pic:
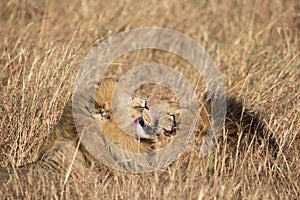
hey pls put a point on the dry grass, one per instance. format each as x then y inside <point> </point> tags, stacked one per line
<point>255,44</point>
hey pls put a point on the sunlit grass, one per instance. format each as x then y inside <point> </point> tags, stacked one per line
<point>255,45</point>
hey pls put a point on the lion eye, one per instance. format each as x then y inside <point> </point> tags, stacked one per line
<point>174,120</point>
<point>139,103</point>
<point>145,106</point>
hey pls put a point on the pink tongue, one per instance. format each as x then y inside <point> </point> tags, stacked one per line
<point>136,122</point>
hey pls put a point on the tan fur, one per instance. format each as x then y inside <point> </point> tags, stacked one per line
<point>63,151</point>
<point>65,130</point>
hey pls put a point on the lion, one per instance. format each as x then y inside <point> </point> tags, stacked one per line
<point>64,153</point>
<point>140,141</point>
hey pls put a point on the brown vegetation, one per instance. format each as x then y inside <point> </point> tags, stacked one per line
<point>254,44</point>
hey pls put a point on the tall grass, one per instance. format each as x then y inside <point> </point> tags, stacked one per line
<point>255,45</point>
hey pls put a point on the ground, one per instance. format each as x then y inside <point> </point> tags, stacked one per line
<point>254,44</point>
